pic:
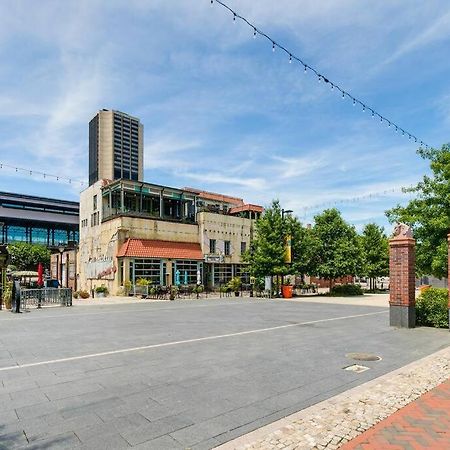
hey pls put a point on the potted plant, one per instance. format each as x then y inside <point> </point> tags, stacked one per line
<point>287,289</point>
<point>83,294</point>
<point>101,291</point>
<point>234,285</point>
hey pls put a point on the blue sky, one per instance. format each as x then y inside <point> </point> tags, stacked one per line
<point>221,111</point>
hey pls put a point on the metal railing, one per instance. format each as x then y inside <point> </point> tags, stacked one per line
<point>45,297</point>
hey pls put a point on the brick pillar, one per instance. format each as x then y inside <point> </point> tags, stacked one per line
<point>448,239</point>
<point>402,283</point>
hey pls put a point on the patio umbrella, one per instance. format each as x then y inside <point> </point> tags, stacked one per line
<point>40,271</point>
<point>177,277</point>
<point>185,277</point>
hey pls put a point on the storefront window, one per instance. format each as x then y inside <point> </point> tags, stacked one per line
<point>187,271</point>
<point>222,274</point>
<point>149,269</point>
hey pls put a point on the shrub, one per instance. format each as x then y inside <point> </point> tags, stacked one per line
<point>127,286</point>
<point>235,284</point>
<point>346,290</point>
<point>198,289</point>
<point>143,282</point>
<point>83,294</point>
<point>75,294</point>
<point>432,308</point>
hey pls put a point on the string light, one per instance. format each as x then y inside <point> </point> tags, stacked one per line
<point>354,199</point>
<point>305,65</point>
<point>45,175</point>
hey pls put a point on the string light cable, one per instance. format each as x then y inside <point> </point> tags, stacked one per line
<point>321,78</point>
<point>46,175</point>
<point>307,209</point>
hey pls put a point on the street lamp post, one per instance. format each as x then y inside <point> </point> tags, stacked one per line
<point>284,213</point>
<point>61,251</point>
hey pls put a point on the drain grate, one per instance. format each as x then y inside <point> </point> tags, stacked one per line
<point>363,356</point>
<point>356,368</point>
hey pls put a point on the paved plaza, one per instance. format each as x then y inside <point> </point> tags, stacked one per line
<point>184,374</point>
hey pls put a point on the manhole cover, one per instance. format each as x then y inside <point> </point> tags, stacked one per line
<point>356,368</point>
<point>363,356</point>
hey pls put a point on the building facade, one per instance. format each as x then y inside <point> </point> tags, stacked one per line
<point>38,220</point>
<point>115,147</point>
<point>131,230</point>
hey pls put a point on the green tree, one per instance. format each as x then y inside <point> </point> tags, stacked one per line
<point>26,256</point>
<point>303,246</point>
<point>375,247</point>
<point>267,254</point>
<point>429,213</point>
<point>337,248</point>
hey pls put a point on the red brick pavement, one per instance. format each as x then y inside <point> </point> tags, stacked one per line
<point>423,424</point>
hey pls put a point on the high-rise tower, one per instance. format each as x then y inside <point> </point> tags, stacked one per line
<point>116,147</point>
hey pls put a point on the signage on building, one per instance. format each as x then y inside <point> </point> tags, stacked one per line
<point>102,268</point>
<point>214,259</point>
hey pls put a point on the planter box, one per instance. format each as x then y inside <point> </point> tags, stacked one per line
<point>100,295</point>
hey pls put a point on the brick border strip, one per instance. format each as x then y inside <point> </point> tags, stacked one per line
<point>335,421</point>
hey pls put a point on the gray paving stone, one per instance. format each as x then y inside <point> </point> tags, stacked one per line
<point>56,424</point>
<point>205,445</point>
<point>7,415</point>
<point>27,397</point>
<point>109,441</point>
<point>70,389</point>
<point>60,442</point>
<point>155,429</point>
<point>249,380</point>
<point>161,443</point>
<point>204,430</point>
<point>36,410</point>
<point>12,440</point>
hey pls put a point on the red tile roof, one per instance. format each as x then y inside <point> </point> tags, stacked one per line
<point>146,248</point>
<point>248,207</point>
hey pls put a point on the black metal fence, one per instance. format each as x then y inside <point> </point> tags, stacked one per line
<point>45,297</point>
